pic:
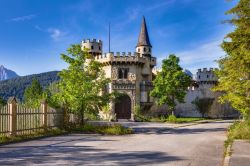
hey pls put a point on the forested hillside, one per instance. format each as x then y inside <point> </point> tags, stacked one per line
<point>16,86</point>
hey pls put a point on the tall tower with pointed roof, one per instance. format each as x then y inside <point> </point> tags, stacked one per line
<point>144,46</point>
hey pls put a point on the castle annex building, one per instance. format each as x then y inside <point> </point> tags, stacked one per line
<point>130,73</point>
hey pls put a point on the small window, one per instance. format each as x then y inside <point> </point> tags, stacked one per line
<point>139,49</point>
<point>123,73</point>
<point>199,77</point>
<point>120,74</point>
<point>144,49</point>
<point>207,76</point>
<point>149,49</point>
<point>99,47</point>
<point>92,47</point>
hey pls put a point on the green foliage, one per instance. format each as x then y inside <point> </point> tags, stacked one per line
<point>172,119</point>
<point>203,105</point>
<point>16,86</point>
<point>170,85</point>
<point>81,83</point>
<point>106,130</point>
<point>240,130</point>
<point>33,94</point>
<point>234,73</point>
<point>185,120</point>
<point>2,102</point>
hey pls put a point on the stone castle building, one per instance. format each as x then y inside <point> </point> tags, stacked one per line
<point>132,73</point>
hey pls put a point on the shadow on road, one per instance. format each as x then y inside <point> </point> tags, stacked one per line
<point>79,155</point>
<point>179,130</point>
<point>164,130</point>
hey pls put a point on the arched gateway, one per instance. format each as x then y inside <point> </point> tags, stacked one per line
<point>123,107</point>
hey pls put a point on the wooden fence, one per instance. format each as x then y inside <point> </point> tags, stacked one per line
<point>16,119</point>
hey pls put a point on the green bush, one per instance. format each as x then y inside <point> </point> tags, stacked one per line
<point>106,130</point>
<point>172,118</point>
<point>240,130</point>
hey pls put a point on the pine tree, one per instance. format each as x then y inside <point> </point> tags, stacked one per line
<point>234,73</point>
<point>33,94</point>
<point>2,102</point>
<point>170,84</point>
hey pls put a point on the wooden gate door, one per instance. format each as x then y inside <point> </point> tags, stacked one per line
<point>123,107</point>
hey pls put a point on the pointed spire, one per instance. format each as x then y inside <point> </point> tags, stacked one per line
<point>143,39</point>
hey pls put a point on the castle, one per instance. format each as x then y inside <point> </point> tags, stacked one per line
<point>132,73</point>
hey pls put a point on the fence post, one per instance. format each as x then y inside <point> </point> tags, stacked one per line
<point>44,109</point>
<point>12,108</point>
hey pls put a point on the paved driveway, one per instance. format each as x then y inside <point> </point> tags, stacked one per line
<point>153,144</point>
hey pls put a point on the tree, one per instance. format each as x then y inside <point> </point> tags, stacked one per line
<point>170,84</point>
<point>234,68</point>
<point>33,94</point>
<point>82,82</point>
<point>2,102</point>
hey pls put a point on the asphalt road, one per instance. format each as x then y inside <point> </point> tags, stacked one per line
<point>153,144</point>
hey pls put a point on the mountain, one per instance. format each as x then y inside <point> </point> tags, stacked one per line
<point>16,86</point>
<point>188,73</point>
<point>6,73</point>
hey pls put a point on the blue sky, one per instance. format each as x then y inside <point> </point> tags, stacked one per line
<point>33,33</point>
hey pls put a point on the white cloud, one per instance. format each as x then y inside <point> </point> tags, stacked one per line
<point>55,33</point>
<point>202,56</point>
<point>23,18</point>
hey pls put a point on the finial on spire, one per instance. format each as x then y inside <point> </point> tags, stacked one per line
<point>143,39</point>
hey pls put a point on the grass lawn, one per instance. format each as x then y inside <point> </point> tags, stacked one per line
<point>8,139</point>
<point>170,119</point>
<point>184,120</point>
<point>87,128</point>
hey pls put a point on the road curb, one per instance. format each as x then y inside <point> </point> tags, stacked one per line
<point>228,156</point>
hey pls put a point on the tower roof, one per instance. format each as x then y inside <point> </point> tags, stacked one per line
<point>143,39</point>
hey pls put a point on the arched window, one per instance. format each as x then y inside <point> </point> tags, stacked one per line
<point>139,49</point>
<point>144,49</point>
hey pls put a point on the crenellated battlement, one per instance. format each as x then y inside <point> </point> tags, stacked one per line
<point>206,70</point>
<point>117,55</point>
<point>206,75</point>
<point>91,41</point>
<point>121,57</point>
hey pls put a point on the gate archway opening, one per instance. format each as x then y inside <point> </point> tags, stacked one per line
<point>123,107</point>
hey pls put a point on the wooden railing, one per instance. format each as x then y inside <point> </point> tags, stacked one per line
<point>16,119</point>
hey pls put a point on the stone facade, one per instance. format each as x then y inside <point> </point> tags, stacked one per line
<point>205,79</point>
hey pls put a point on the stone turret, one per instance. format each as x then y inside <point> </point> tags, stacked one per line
<point>144,46</point>
<point>94,46</point>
